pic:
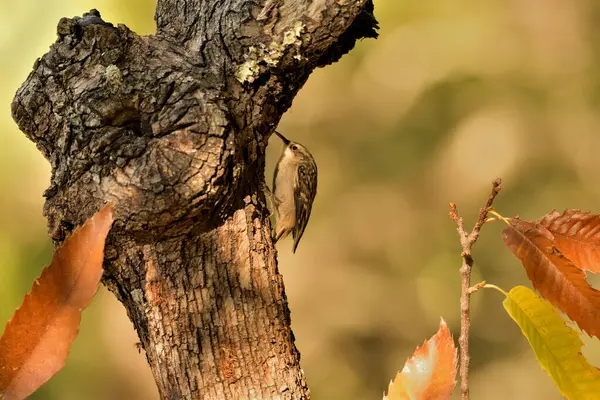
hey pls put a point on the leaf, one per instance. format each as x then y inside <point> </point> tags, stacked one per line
<point>557,347</point>
<point>430,374</point>
<point>36,342</point>
<point>553,275</point>
<point>577,236</point>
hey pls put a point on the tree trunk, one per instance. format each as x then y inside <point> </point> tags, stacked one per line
<point>173,128</point>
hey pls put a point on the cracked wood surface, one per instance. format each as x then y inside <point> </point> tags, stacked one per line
<point>172,128</point>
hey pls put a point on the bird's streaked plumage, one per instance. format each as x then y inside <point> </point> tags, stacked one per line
<point>294,190</point>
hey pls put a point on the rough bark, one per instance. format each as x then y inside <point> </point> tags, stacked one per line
<point>172,128</point>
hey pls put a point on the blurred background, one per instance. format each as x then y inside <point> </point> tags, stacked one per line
<point>453,94</point>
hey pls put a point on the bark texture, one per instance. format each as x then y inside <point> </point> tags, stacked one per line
<point>172,128</point>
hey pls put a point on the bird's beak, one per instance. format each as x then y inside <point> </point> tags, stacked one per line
<point>283,138</point>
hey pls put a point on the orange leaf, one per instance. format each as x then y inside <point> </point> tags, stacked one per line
<point>430,374</point>
<point>577,236</point>
<point>36,342</point>
<point>554,275</point>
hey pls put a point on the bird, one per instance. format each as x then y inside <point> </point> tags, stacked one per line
<point>294,190</point>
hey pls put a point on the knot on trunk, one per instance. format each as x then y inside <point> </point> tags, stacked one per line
<point>128,119</point>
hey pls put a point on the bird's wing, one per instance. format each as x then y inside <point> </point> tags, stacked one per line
<point>305,189</point>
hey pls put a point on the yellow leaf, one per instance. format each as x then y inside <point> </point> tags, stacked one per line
<point>556,346</point>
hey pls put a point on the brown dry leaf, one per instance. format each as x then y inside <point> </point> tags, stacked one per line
<point>36,342</point>
<point>577,236</point>
<point>553,275</point>
<point>430,374</point>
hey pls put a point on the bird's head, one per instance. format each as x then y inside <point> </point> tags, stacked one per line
<point>294,150</point>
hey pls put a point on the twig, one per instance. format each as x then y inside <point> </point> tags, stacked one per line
<point>475,288</point>
<point>467,240</point>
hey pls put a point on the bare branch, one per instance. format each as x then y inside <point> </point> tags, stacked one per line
<point>467,240</point>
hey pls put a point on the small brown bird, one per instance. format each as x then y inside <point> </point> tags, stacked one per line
<point>294,190</point>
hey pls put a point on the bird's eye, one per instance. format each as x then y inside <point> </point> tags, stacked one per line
<point>294,147</point>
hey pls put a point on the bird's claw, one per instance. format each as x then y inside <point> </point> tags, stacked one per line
<point>272,198</point>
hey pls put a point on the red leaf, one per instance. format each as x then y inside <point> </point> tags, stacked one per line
<point>36,342</point>
<point>554,275</point>
<point>577,236</point>
<point>430,374</point>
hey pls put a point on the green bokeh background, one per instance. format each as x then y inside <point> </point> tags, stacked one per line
<point>453,94</point>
